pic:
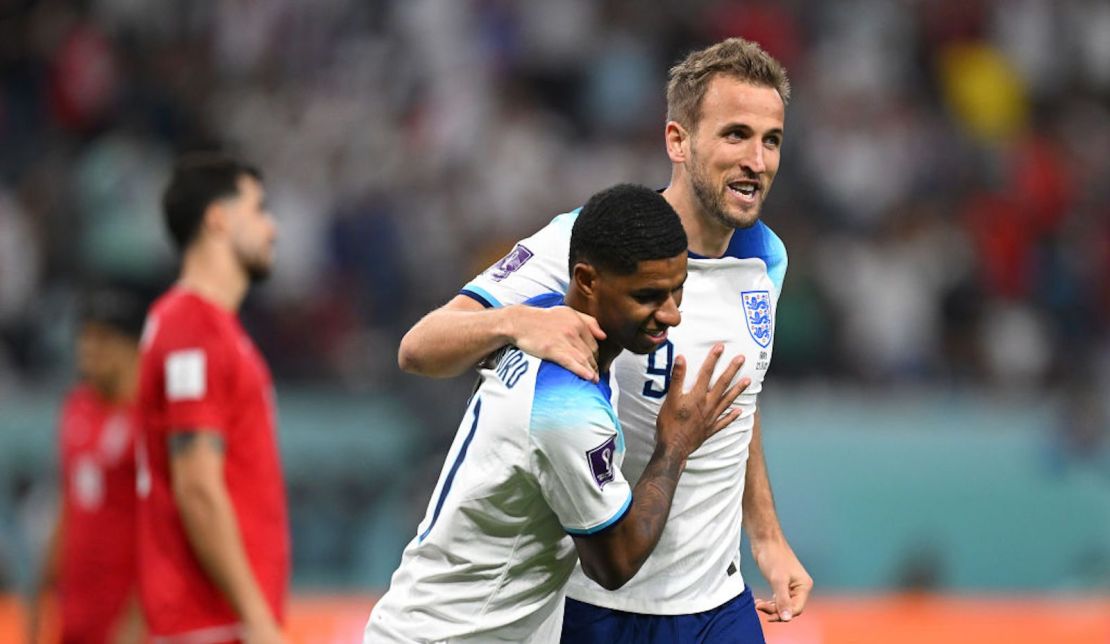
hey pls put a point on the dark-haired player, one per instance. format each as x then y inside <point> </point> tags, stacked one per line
<point>213,534</point>
<point>725,117</point>
<point>537,455</point>
<point>90,562</point>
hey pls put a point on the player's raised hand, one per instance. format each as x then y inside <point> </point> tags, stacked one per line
<point>688,418</point>
<point>561,335</point>
<point>790,583</point>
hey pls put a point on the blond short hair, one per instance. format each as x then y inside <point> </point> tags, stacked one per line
<point>741,59</point>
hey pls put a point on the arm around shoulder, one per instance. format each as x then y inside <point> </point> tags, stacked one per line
<point>457,335</point>
<point>452,339</point>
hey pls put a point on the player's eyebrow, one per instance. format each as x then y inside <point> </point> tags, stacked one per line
<point>649,293</point>
<point>741,128</point>
<point>658,292</point>
<point>747,130</point>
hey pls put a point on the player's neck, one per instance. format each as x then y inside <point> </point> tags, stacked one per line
<point>211,272</point>
<point>706,236</point>
<point>607,350</point>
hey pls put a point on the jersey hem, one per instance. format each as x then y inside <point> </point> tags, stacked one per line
<point>644,605</point>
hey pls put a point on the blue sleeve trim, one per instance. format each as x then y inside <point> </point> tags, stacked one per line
<point>612,520</point>
<point>481,295</point>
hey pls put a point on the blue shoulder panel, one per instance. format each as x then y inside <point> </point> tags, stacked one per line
<point>567,219</point>
<point>561,395</point>
<point>758,241</point>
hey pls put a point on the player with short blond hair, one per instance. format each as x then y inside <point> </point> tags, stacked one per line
<point>724,137</point>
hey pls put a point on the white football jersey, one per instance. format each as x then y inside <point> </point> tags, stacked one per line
<point>696,565</point>
<point>537,457</point>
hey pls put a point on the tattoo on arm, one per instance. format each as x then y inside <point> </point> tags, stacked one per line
<point>181,442</point>
<point>653,495</point>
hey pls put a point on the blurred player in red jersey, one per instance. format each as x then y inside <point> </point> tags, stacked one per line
<point>91,556</point>
<point>213,533</point>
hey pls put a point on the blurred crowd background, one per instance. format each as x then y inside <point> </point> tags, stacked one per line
<point>944,196</point>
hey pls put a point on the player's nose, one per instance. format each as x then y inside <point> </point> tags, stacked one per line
<point>271,229</point>
<point>753,160</point>
<point>668,314</point>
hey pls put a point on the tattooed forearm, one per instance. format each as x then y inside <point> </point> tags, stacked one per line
<point>181,442</point>
<point>613,556</point>
<point>651,502</point>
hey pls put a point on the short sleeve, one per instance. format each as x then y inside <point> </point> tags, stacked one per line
<point>535,265</point>
<point>777,261</point>
<point>198,374</point>
<point>577,448</point>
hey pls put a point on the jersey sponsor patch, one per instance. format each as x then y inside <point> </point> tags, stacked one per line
<point>510,263</point>
<point>757,313</point>
<point>185,375</point>
<point>601,461</point>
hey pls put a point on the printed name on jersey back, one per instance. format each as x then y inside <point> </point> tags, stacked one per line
<point>509,363</point>
<point>185,375</point>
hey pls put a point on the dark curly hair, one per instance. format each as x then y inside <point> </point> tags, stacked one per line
<point>624,225</point>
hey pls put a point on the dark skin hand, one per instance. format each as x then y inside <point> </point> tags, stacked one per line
<point>685,421</point>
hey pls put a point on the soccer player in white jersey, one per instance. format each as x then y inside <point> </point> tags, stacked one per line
<point>725,119</point>
<point>537,455</point>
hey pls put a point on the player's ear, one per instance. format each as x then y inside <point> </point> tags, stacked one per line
<point>216,217</point>
<point>676,137</point>
<point>584,277</point>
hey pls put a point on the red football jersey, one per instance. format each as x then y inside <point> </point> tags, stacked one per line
<point>97,557</point>
<point>199,369</point>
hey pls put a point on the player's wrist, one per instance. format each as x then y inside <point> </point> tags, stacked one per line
<point>766,538</point>
<point>506,324</point>
<point>672,452</point>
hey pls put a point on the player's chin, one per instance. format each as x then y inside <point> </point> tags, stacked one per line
<point>744,217</point>
<point>647,342</point>
<point>260,271</point>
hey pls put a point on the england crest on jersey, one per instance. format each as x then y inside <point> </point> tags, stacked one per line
<point>757,313</point>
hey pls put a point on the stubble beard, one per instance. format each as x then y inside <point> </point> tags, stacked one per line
<point>712,202</point>
<point>257,268</point>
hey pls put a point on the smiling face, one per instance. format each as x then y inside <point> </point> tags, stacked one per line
<point>732,155</point>
<point>636,310</point>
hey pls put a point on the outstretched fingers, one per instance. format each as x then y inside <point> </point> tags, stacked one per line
<point>726,378</point>
<point>678,374</point>
<point>707,367</point>
<point>725,420</point>
<point>725,400</point>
